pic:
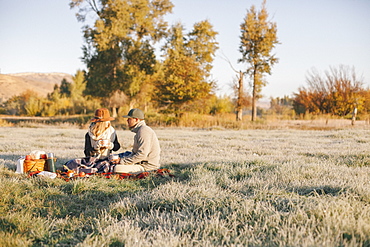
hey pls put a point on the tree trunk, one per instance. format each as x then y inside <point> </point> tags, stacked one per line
<point>239,114</point>
<point>239,101</point>
<point>254,97</point>
<point>115,111</point>
<point>354,114</point>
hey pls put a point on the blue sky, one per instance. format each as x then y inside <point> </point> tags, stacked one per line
<point>44,36</point>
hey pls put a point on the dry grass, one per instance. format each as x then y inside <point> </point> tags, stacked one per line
<point>192,120</point>
<point>278,187</point>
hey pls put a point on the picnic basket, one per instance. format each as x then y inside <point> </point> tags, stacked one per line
<point>34,165</point>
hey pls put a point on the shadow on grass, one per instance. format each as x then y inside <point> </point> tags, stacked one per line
<point>72,207</point>
<point>318,190</point>
<point>88,197</point>
<point>10,160</point>
<point>352,160</point>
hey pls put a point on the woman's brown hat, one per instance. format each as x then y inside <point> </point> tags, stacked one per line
<point>102,115</point>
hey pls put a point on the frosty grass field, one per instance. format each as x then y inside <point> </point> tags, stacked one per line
<point>232,188</point>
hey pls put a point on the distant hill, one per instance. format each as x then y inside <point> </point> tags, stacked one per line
<point>42,83</point>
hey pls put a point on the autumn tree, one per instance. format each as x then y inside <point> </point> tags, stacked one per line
<point>202,45</point>
<point>337,92</point>
<point>188,61</point>
<point>77,89</point>
<point>69,97</point>
<point>183,84</point>
<point>28,103</point>
<point>221,104</point>
<point>119,51</point>
<point>78,86</point>
<point>365,94</point>
<point>258,38</point>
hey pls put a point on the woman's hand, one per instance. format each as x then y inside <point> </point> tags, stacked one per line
<point>114,158</point>
<point>104,143</point>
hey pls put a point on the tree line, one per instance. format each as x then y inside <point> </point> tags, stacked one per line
<point>121,58</point>
<point>338,92</point>
<point>135,59</point>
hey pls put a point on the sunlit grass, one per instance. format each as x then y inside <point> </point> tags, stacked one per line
<point>231,188</point>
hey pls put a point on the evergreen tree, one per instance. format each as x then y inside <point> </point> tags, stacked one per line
<point>65,88</point>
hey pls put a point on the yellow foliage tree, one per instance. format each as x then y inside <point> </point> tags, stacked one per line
<point>258,38</point>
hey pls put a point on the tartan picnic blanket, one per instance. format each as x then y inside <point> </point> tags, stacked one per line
<point>92,166</point>
<point>110,175</point>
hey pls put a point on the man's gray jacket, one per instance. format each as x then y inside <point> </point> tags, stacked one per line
<point>146,150</point>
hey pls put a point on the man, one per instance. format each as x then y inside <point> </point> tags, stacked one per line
<point>145,153</point>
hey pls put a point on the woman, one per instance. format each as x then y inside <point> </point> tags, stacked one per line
<point>101,138</point>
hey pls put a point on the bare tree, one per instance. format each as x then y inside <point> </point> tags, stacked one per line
<point>239,91</point>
